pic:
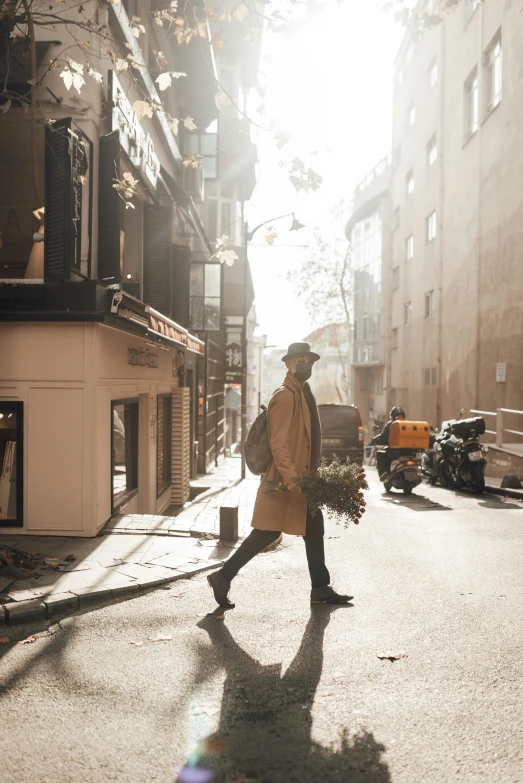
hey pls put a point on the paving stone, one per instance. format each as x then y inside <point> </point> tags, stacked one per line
<point>147,584</point>
<point>24,595</point>
<point>4,583</point>
<point>171,561</point>
<point>91,595</point>
<point>22,611</point>
<point>60,602</point>
<point>158,572</point>
<point>135,570</point>
<point>125,589</point>
<point>196,568</point>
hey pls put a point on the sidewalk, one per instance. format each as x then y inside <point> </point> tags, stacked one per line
<point>494,485</point>
<point>131,554</point>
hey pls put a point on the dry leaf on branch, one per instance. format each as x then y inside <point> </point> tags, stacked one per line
<point>391,656</point>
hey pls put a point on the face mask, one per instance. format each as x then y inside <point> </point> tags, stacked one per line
<point>303,371</point>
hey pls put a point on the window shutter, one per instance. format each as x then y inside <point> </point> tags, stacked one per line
<point>59,245</point>
<point>157,257</point>
<point>181,272</point>
<point>109,210</point>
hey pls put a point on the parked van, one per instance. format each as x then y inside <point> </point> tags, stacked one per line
<point>341,432</point>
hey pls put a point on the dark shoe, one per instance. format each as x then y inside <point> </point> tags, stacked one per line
<point>220,587</point>
<point>326,595</point>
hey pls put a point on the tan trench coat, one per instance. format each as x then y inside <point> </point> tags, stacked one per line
<point>289,426</point>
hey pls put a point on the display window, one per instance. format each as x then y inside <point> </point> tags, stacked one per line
<point>11,464</point>
<point>164,442</point>
<point>124,451</point>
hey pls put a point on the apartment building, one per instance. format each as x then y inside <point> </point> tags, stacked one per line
<point>456,285</point>
<point>369,233</point>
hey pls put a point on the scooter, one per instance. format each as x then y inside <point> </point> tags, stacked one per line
<point>405,471</point>
<point>458,458</point>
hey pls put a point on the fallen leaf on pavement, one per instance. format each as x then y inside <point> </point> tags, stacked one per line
<point>69,558</point>
<point>137,644</point>
<point>4,639</point>
<point>161,637</point>
<point>391,656</point>
<point>30,639</point>
<point>503,597</point>
<point>52,561</point>
<point>220,617</point>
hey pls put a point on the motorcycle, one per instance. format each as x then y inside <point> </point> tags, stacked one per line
<point>405,471</point>
<point>458,458</point>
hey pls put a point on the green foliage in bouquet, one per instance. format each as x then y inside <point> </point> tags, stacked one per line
<point>337,487</point>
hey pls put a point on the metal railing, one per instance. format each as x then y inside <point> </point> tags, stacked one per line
<point>499,419</point>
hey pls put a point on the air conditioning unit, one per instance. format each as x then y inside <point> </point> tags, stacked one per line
<point>193,182</point>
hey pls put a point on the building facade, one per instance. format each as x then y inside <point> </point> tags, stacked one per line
<point>368,231</point>
<point>330,378</point>
<point>112,313</point>
<point>456,284</point>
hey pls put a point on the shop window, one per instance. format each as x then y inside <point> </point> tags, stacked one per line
<point>11,464</point>
<point>164,442</point>
<point>125,451</point>
<point>205,288</point>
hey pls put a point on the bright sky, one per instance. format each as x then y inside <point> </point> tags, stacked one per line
<point>329,86</point>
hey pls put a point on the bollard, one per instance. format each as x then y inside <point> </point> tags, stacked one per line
<point>229,524</point>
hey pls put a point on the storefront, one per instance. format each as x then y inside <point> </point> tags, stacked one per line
<point>95,419</point>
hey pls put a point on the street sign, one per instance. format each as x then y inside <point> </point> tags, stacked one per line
<point>233,356</point>
<point>501,372</point>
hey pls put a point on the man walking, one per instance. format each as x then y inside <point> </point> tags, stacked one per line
<point>295,439</point>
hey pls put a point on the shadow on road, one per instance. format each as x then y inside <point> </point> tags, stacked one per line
<point>265,723</point>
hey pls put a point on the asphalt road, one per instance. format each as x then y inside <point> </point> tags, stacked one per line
<point>279,691</point>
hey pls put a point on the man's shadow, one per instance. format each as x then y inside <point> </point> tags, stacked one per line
<point>265,724</point>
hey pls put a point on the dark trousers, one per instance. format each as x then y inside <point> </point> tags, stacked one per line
<point>257,540</point>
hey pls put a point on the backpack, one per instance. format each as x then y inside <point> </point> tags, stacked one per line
<point>257,448</point>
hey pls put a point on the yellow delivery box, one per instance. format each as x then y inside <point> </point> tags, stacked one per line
<point>409,435</point>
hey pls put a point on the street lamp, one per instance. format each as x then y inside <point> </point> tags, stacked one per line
<point>295,226</point>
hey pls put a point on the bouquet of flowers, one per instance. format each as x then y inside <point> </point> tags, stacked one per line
<point>338,487</point>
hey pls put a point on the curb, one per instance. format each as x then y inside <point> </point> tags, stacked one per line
<point>510,493</point>
<point>42,608</point>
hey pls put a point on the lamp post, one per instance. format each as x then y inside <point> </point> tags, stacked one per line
<point>248,236</point>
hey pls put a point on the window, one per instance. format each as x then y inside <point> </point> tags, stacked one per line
<point>396,277</point>
<point>408,313</point>
<point>205,295</point>
<point>164,409</point>
<point>205,144</point>
<point>410,182</point>
<point>125,451</point>
<point>470,7</point>
<point>11,464</point>
<point>396,218</point>
<point>365,328</point>
<point>432,151</point>
<point>394,339</point>
<point>412,115</point>
<point>409,248</point>
<point>431,226</point>
<point>471,104</point>
<point>355,330</point>
<point>429,304</point>
<point>426,376</point>
<point>434,376</point>
<point>493,75</point>
<point>433,73</point>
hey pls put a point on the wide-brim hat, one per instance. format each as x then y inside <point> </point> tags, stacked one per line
<point>300,349</point>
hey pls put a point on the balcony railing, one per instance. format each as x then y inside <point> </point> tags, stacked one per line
<point>378,170</point>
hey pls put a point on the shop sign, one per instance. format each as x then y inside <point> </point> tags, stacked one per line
<point>134,140</point>
<point>233,356</point>
<point>501,372</point>
<point>142,357</point>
